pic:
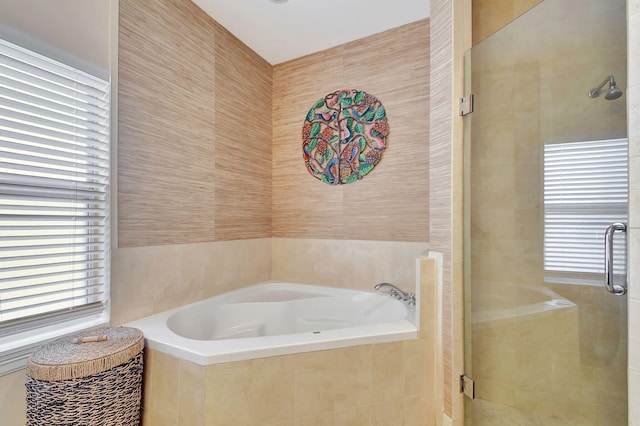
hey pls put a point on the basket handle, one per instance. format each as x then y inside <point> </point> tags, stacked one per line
<point>88,339</point>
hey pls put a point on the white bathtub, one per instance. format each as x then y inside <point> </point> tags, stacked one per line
<point>277,318</point>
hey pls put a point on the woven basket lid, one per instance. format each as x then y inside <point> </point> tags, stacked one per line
<point>62,359</point>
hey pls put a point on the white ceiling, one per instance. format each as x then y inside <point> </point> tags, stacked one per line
<point>280,32</point>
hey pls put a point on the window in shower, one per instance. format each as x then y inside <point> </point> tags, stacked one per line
<point>585,190</point>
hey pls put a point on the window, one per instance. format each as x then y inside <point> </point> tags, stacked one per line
<point>54,197</point>
<point>585,190</point>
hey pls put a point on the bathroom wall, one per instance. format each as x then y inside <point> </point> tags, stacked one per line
<point>194,160</point>
<point>450,37</point>
<point>390,203</point>
<point>370,231</point>
<point>633,105</point>
<point>80,29</point>
<point>192,207</point>
<point>531,96</point>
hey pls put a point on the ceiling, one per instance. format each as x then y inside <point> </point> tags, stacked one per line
<point>280,32</point>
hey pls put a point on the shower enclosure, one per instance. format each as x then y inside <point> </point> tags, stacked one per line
<point>545,175</point>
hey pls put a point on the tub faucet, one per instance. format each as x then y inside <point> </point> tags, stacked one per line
<point>396,293</point>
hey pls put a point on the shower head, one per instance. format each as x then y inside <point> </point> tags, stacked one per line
<point>613,93</point>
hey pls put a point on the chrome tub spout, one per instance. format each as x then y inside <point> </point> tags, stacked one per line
<point>396,293</point>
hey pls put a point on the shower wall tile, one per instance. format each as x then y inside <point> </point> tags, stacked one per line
<point>634,326</point>
<point>491,15</point>
<point>634,49</point>
<point>388,412</point>
<point>634,397</point>
<point>417,411</point>
<point>633,241</point>
<point>353,416</point>
<point>633,104</point>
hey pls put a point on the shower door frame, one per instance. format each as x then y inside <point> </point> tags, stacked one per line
<point>466,224</point>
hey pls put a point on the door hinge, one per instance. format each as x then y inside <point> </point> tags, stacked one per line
<point>467,104</point>
<point>467,386</point>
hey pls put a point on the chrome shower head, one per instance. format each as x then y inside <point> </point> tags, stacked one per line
<point>613,93</point>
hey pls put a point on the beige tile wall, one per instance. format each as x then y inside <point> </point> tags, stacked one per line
<point>392,202</point>
<point>383,384</point>
<point>147,280</point>
<point>633,104</point>
<point>356,264</point>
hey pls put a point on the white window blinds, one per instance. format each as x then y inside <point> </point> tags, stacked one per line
<point>585,190</point>
<point>54,189</point>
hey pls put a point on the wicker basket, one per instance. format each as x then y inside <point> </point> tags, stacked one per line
<point>92,378</point>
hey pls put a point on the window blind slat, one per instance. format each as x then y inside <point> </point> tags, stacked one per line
<point>585,190</point>
<point>52,135</point>
<point>36,308</point>
<point>50,194</point>
<point>28,100</point>
<point>38,123</point>
<point>52,97</point>
<point>56,183</point>
<point>78,165</point>
<point>54,67</point>
<point>54,186</point>
<point>42,278</point>
<point>25,143</point>
<point>48,294</point>
<point>55,82</point>
<point>60,117</point>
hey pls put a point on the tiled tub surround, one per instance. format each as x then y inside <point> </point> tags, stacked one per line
<point>353,264</point>
<point>148,280</point>
<point>379,384</point>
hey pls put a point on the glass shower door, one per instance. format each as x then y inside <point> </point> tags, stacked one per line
<point>545,174</point>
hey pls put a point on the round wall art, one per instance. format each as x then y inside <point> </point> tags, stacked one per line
<point>344,136</point>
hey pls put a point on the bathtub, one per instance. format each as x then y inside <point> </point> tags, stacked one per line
<point>277,318</point>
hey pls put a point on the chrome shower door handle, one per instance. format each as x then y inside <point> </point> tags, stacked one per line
<point>612,288</point>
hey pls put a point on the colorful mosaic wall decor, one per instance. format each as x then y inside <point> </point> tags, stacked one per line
<point>344,136</point>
